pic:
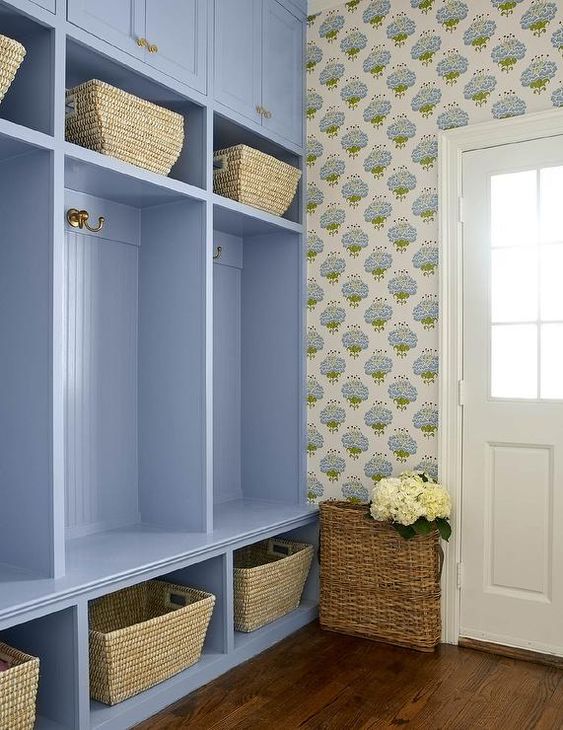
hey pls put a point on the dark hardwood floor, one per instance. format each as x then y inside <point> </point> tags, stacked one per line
<point>316,680</point>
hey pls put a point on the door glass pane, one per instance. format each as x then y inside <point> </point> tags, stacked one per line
<point>551,282</point>
<point>514,209</point>
<point>514,361</point>
<point>551,207</point>
<point>552,361</point>
<point>514,285</point>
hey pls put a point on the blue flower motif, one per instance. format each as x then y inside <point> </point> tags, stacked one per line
<point>333,416</point>
<point>452,65</point>
<point>315,342</point>
<point>354,140</point>
<point>354,340</point>
<point>509,105</point>
<point>378,366</point>
<point>332,465</point>
<point>426,99</point>
<point>429,465</point>
<point>354,190</point>
<point>401,79</point>
<point>376,11</point>
<point>402,392</point>
<point>353,92</point>
<point>426,152</point>
<point>333,169</point>
<point>378,314</point>
<point>353,42</point>
<point>333,366</point>
<point>378,211</point>
<point>315,246</point>
<point>538,16</point>
<point>451,13</point>
<point>402,444</point>
<point>378,418</point>
<point>426,259</point>
<point>315,489</point>
<point>314,150</point>
<point>508,52</point>
<point>538,74</point>
<point>453,116</point>
<point>401,130</point>
<point>557,97</point>
<point>315,440</point>
<point>331,26</point>
<point>377,161</point>
<point>313,103</point>
<point>401,234</point>
<point>426,47</point>
<point>377,61</point>
<point>354,240</point>
<point>426,366</point>
<point>377,110</point>
<point>354,391</point>
<point>331,74</point>
<point>354,290</point>
<point>401,182</point>
<point>557,38</point>
<point>332,219</point>
<point>426,311</point>
<point>424,5</point>
<point>355,492</point>
<point>480,87</point>
<point>479,32</point>
<point>332,316</point>
<point>315,294</point>
<point>331,122</point>
<point>378,262</point>
<point>426,205</point>
<point>313,56</point>
<point>355,444</point>
<point>402,339</point>
<point>315,197</point>
<point>332,267</point>
<point>426,419</point>
<point>378,467</point>
<point>506,7</point>
<point>402,286</point>
<point>315,391</point>
<point>400,28</point>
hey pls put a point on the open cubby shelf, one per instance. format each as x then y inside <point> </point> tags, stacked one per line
<point>153,396</point>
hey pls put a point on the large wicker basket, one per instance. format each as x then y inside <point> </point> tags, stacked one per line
<point>142,635</point>
<point>255,178</point>
<point>12,54</point>
<point>18,689</point>
<point>376,584</point>
<point>113,122</point>
<point>269,578</point>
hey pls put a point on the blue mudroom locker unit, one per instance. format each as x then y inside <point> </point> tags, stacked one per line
<point>152,373</point>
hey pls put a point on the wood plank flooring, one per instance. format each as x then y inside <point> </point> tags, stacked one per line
<point>318,680</point>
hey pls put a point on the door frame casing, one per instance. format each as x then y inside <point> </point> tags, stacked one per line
<point>451,146</point>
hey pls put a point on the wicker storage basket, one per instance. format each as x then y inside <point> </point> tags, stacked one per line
<point>18,689</point>
<point>376,584</point>
<point>12,54</point>
<point>255,178</point>
<point>269,578</point>
<point>142,635</point>
<point>113,122</point>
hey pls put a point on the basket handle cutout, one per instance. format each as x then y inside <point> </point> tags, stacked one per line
<point>280,548</point>
<point>177,600</point>
<point>220,163</point>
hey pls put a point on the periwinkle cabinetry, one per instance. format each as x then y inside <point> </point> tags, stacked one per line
<point>151,393</point>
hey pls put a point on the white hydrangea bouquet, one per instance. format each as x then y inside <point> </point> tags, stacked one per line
<point>413,503</point>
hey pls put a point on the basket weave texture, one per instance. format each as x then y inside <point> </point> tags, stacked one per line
<point>142,635</point>
<point>255,178</point>
<point>113,122</point>
<point>12,54</point>
<point>18,689</point>
<point>269,578</point>
<point>376,584</point>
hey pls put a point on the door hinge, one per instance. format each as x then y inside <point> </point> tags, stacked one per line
<point>460,209</point>
<point>461,392</point>
<point>459,574</point>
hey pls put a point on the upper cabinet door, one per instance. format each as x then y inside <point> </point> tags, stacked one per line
<point>282,81</point>
<point>119,22</point>
<point>238,53</point>
<point>47,4</point>
<point>176,32</point>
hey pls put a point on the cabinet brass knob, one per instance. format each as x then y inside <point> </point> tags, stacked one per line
<point>260,110</point>
<point>153,48</point>
<point>267,114</point>
<point>142,42</point>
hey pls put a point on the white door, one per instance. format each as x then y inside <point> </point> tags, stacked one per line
<point>512,507</point>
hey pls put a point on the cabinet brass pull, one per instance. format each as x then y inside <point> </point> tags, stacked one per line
<point>79,219</point>
<point>153,48</point>
<point>142,42</point>
<point>267,114</point>
<point>260,110</point>
<point>218,252</point>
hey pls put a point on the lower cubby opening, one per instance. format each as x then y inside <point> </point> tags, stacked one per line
<point>53,639</point>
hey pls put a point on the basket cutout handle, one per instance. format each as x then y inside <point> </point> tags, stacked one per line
<point>71,105</point>
<point>280,548</point>
<point>220,163</point>
<point>176,600</point>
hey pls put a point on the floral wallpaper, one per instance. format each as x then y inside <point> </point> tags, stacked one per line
<point>384,77</point>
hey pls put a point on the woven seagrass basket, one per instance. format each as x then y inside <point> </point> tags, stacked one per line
<point>255,178</point>
<point>12,54</point>
<point>269,579</point>
<point>113,122</point>
<point>376,584</point>
<point>142,635</point>
<point>18,689</point>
